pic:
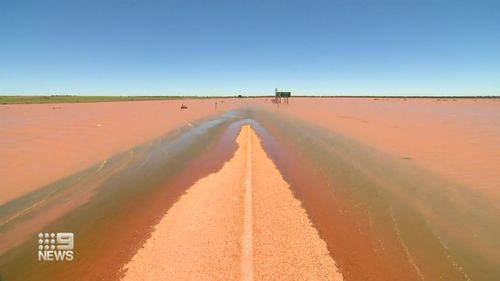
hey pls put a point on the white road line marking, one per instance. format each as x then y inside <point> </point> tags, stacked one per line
<point>247,252</point>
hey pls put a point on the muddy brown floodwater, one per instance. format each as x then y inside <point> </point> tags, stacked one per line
<point>117,217</point>
<point>383,217</point>
<point>41,143</point>
<point>456,138</point>
<point>398,189</point>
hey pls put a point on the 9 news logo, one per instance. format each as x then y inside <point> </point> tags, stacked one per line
<point>55,246</point>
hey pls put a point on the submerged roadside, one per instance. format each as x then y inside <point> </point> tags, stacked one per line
<point>383,218</point>
<point>240,223</point>
<point>119,209</point>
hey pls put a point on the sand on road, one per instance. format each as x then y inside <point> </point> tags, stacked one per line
<point>206,234</point>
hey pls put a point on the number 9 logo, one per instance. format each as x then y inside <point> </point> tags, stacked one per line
<point>64,241</point>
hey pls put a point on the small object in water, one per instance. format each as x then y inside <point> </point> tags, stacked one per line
<point>183,106</point>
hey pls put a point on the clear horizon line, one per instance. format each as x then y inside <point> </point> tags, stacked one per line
<point>266,95</point>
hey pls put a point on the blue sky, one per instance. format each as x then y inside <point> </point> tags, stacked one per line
<point>405,47</point>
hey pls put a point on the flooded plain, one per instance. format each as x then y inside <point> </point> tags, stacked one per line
<point>42,143</point>
<point>385,218</point>
<point>398,189</point>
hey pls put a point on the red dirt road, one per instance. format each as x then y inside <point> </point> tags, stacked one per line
<point>241,223</point>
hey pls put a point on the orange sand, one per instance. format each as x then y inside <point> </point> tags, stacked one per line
<point>200,238</point>
<point>42,143</point>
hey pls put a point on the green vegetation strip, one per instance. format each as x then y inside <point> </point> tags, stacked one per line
<point>78,99</point>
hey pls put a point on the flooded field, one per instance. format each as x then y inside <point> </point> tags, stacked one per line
<point>398,189</point>
<point>455,138</point>
<point>385,218</point>
<point>42,143</point>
